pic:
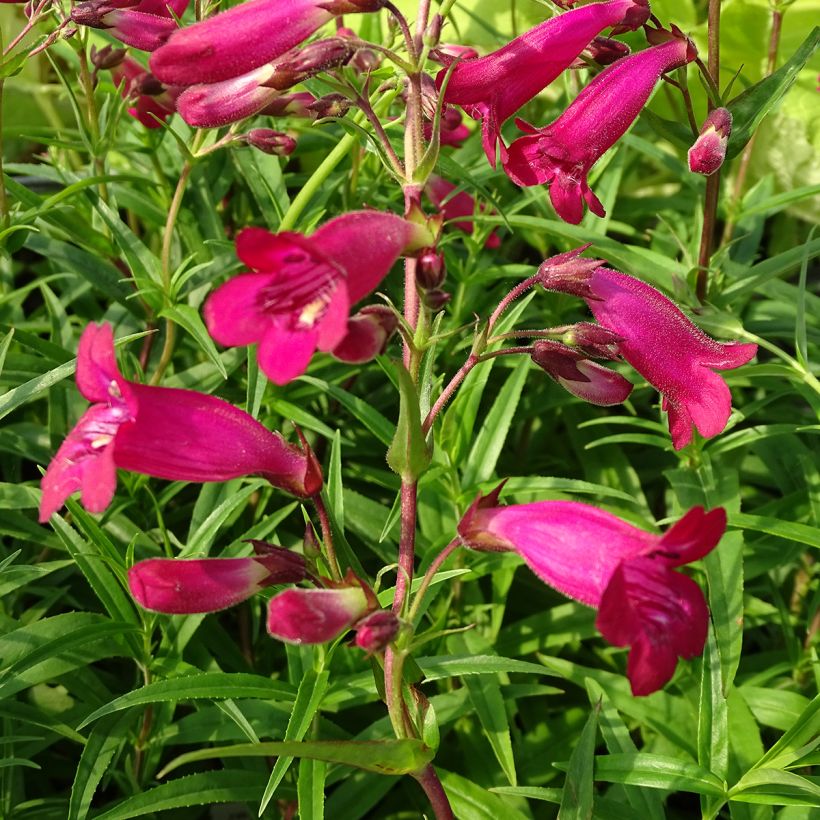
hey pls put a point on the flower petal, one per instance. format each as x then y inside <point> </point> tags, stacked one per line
<point>233,312</point>
<point>285,354</point>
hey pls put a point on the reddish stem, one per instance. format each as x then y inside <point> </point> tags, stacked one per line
<point>429,781</point>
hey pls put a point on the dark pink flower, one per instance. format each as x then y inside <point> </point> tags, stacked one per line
<point>494,87</point>
<point>580,376</point>
<point>563,152</point>
<point>298,295</point>
<point>179,586</point>
<point>671,353</point>
<point>604,562</point>
<point>243,38</point>
<point>455,207</point>
<point>142,24</point>
<point>709,150</point>
<point>312,616</point>
<point>376,630</point>
<point>368,332</point>
<point>211,105</point>
<point>179,435</point>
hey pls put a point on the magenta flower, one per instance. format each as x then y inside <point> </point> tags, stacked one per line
<point>563,152</point>
<point>178,586</point>
<point>144,25</point>
<point>579,376</point>
<point>604,562</point>
<point>494,87</point>
<point>455,207</point>
<point>298,295</point>
<point>376,630</point>
<point>312,616</point>
<point>671,353</point>
<point>180,435</point>
<point>243,38</point>
<point>709,150</point>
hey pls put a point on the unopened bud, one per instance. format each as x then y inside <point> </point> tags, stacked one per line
<point>436,299</point>
<point>376,631</point>
<point>604,51</point>
<point>149,84</point>
<point>310,543</point>
<point>709,150</point>
<point>579,376</point>
<point>593,340</point>
<point>445,53</point>
<point>364,59</point>
<point>433,33</point>
<point>331,105</point>
<point>568,272</point>
<point>290,105</point>
<point>90,13</point>
<point>107,58</point>
<point>351,6</point>
<point>270,142</point>
<point>431,269</point>
<point>300,64</point>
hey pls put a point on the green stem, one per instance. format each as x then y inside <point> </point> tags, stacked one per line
<point>327,538</point>
<point>4,205</point>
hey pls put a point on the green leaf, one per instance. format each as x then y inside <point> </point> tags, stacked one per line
<point>205,685</point>
<point>775,787</point>
<point>202,789</point>
<point>312,688</point>
<point>790,530</point>
<point>750,107</point>
<point>185,316</point>
<point>799,740</point>
<point>452,666</point>
<point>408,454</point>
<point>658,772</point>
<point>489,442</point>
<point>576,798</point>
<point>392,757</point>
<point>105,740</point>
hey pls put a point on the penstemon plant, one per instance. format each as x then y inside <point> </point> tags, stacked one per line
<point>214,214</point>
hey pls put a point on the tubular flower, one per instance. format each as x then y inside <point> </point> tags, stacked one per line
<point>456,207</point>
<point>142,24</point>
<point>627,574</point>
<point>298,294</point>
<point>211,105</point>
<point>243,38</point>
<point>178,586</point>
<point>165,432</point>
<point>316,615</point>
<point>579,376</point>
<point>494,87</point>
<point>672,354</point>
<point>709,150</point>
<point>563,152</point>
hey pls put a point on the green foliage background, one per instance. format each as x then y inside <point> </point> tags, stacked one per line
<point>530,712</point>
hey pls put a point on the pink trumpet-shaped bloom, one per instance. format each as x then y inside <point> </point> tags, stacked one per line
<point>604,562</point>
<point>298,294</point>
<point>241,39</point>
<point>180,435</point>
<point>494,87</point>
<point>579,376</point>
<point>672,354</point>
<point>144,25</point>
<point>456,207</point>
<point>312,616</point>
<point>178,586</point>
<point>563,152</point>
<point>709,150</point>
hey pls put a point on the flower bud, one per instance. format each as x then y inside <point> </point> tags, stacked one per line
<point>351,6</point>
<point>436,299</point>
<point>367,334</point>
<point>331,105</point>
<point>376,631</point>
<point>709,150</point>
<point>290,105</point>
<point>300,64</point>
<point>447,52</point>
<point>604,51</point>
<point>579,376</point>
<point>310,616</point>
<point>433,33</point>
<point>593,340</point>
<point>431,269</point>
<point>270,142</point>
<point>568,272</point>
<point>107,58</point>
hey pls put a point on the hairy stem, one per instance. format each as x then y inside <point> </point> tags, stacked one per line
<point>429,781</point>
<point>4,205</point>
<point>429,575</point>
<point>707,235</point>
<point>327,537</point>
